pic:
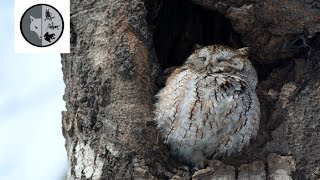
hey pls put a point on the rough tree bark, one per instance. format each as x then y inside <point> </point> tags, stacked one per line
<point>119,50</point>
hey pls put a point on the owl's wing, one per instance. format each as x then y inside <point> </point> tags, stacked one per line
<point>173,100</point>
<point>235,114</point>
<point>206,115</point>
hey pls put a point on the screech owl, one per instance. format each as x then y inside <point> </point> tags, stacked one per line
<point>209,107</point>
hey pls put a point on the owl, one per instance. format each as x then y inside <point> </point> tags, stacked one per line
<point>209,107</point>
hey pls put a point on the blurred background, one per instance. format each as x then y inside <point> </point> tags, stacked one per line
<point>31,90</point>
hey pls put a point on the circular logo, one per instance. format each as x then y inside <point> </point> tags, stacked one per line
<point>41,25</point>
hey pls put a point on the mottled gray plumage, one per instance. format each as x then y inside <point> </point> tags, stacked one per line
<point>209,107</point>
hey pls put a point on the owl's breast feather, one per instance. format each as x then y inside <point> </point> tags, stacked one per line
<point>208,115</point>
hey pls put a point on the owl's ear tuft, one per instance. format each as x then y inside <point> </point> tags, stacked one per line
<point>196,47</point>
<point>244,51</point>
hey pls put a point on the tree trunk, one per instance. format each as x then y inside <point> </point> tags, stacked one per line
<point>119,50</point>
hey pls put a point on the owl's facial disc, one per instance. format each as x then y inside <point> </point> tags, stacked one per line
<point>225,61</point>
<point>218,59</point>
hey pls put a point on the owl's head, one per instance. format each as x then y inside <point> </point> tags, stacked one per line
<point>220,59</point>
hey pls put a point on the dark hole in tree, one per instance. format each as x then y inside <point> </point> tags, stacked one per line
<point>179,25</point>
<point>298,43</point>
